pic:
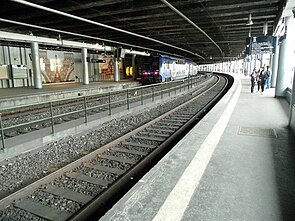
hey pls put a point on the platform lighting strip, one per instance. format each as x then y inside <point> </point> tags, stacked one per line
<point>100,24</point>
<point>51,41</point>
<point>84,36</point>
<point>193,24</point>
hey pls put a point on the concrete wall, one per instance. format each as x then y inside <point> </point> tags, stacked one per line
<point>292,119</point>
<point>20,56</point>
<point>14,55</point>
<point>291,100</point>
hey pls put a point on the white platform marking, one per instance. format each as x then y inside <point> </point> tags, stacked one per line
<point>178,199</point>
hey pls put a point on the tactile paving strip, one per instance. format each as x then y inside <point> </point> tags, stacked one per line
<point>259,132</point>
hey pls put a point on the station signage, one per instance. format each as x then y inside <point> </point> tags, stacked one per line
<point>95,60</point>
<point>260,44</point>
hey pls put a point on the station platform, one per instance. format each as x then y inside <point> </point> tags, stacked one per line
<point>10,97</point>
<point>238,163</point>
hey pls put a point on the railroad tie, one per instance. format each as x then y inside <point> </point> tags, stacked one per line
<point>106,169</point>
<point>42,211</point>
<point>68,194</point>
<point>88,179</point>
<point>140,145</point>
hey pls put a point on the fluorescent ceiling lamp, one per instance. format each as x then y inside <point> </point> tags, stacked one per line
<point>249,22</point>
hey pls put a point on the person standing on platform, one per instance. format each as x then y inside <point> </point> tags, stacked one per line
<point>253,79</point>
<point>262,80</point>
<point>267,77</point>
<point>259,74</point>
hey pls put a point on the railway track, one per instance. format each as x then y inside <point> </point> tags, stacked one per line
<point>35,117</point>
<point>87,187</point>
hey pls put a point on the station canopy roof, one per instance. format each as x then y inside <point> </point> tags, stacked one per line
<point>202,30</point>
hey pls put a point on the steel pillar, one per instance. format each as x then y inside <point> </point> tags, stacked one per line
<point>281,83</point>
<point>36,65</point>
<point>85,66</point>
<point>133,67</point>
<point>116,69</point>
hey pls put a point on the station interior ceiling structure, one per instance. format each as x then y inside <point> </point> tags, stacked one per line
<point>175,27</point>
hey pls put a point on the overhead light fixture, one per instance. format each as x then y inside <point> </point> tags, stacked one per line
<point>249,22</point>
<point>265,28</point>
<point>142,53</point>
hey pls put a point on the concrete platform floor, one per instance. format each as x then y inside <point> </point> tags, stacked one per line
<point>238,163</point>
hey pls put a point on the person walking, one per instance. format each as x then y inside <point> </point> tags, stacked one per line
<point>262,80</point>
<point>267,77</point>
<point>253,79</point>
<point>259,74</point>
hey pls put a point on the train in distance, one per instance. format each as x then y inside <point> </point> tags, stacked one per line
<point>157,69</point>
<point>161,68</point>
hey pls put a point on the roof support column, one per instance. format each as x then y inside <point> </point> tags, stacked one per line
<point>36,65</point>
<point>284,58</point>
<point>116,69</point>
<point>95,70</point>
<point>250,65</point>
<point>292,106</point>
<point>274,67</point>
<point>133,67</point>
<point>85,66</point>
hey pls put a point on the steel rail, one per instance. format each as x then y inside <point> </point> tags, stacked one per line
<point>46,119</point>
<point>96,206</point>
<point>94,94</point>
<point>30,188</point>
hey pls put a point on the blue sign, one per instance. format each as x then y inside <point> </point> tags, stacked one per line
<point>260,44</point>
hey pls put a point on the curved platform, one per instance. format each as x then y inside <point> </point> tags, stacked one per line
<point>238,163</point>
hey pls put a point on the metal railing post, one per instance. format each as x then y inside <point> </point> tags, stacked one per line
<point>141,96</point>
<point>85,109</point>
<point>153,94</point>
<point>51,116</point>
<point>2,133</point>
<point>128,107</point>
<point>169,87</point>
<point>188,83</point>
<point>161,90</point>
<point>110,110</point>
<point>180,87</point>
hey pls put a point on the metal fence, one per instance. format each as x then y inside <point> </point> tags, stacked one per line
<point>56,111</point>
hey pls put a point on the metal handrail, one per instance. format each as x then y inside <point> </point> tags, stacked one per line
<point>128,99</point>
<point>74,98</point>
